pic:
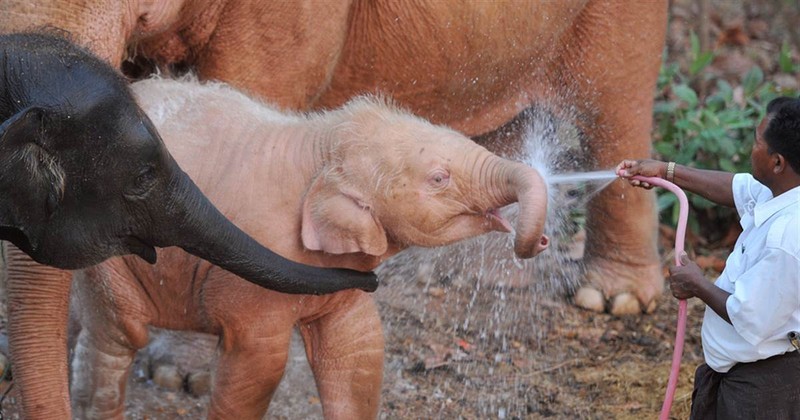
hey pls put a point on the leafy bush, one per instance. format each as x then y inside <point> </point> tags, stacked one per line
<point>714,131</point>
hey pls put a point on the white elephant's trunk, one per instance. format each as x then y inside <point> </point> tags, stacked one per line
<point>516,182</point>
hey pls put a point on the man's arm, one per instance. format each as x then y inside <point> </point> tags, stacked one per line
<point>712,185</point>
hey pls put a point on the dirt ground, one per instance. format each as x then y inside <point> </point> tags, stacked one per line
<point>462,343</point>
<point>468,338</point>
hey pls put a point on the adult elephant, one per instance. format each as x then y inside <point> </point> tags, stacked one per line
<point>474,67</point>
<point>84,176</point>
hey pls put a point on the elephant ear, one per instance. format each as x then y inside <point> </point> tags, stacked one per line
<point>340,222</point>
<point>31,182</point>
<point>23,127</point>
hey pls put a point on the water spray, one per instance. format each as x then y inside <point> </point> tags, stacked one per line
<point>680,236</point>
<point>582,176</point>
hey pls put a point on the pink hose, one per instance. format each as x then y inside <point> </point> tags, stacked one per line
<point>680,237</point>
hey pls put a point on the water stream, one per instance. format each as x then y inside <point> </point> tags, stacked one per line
<point>577,177</point>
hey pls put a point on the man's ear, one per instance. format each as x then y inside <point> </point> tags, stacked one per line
<point>779,163</point>
<point>337,221</point>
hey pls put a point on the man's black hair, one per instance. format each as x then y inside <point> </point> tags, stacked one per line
<point>782,133</point>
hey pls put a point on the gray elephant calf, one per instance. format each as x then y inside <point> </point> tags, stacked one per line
<point>347,188</point>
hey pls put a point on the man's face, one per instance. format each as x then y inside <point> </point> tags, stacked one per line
<point>760,158</point>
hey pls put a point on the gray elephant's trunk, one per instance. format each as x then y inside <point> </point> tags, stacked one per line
<point>516,182</point>
<point>200,229</point>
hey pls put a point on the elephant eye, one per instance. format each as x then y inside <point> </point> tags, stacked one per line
<point>146,175</point>
<point>143,182</point>
<point>439,178</point>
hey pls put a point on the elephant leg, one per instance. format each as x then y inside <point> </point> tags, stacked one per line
<point>248,371</point>
<point>38,309</point>
<point>113,319</point>
<point>611,67</point>
<point>345,350</point>
<point>100,370</point>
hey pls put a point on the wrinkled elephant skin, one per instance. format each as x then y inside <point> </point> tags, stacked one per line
<point>349,187</point>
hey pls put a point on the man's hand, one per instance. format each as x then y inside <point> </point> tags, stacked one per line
<point>648,167</point>
<point>686,281</point>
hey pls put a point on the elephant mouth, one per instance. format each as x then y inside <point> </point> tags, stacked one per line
<point>461,226</point>
<point>498,222</point>
<point>139,247</point>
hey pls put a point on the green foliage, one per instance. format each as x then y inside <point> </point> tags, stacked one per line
<point>699,59</point>
<point>785,62</point>
<point>714,130</point>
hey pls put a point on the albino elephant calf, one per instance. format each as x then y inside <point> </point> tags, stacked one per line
<point>347,188</point>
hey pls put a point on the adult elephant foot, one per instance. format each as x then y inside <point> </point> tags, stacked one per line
<point>620,288</point>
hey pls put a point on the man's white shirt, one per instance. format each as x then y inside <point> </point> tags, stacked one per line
<point>763,275</point>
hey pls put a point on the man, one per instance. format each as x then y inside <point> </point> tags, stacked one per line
<point>752,370</point>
